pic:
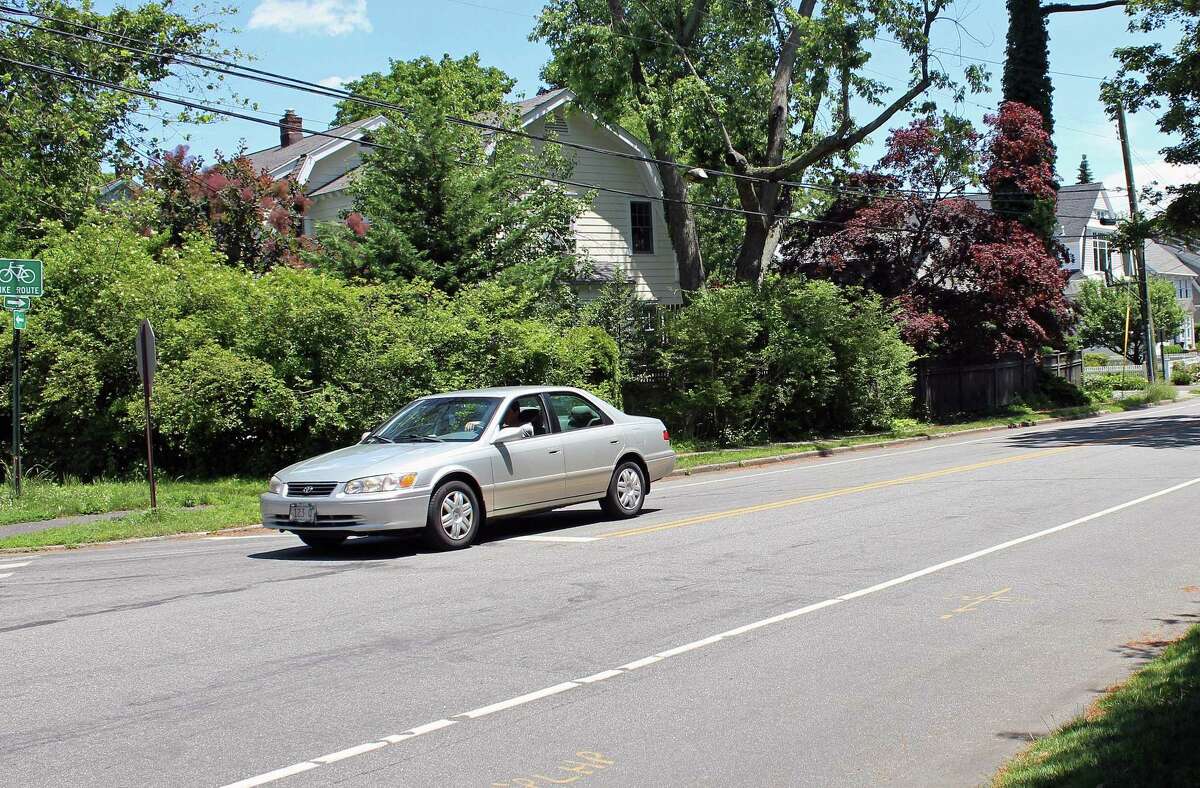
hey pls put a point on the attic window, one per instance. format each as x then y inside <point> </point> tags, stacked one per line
<point>557,123</point>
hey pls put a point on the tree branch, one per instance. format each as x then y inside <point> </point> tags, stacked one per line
<point>690,25</point>
<point>1056,8</point>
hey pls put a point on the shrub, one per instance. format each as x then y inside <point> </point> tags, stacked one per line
<point>1128,381</point>
<point>787,359</point>
<point>256,371</point>
<point>1060,392</point>
<point>1095,360</point>
<point>1173,349</point>
<point>1098,388</point>
<point>1181,375</point>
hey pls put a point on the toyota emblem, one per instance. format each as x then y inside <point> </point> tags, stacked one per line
<point>307,489</point>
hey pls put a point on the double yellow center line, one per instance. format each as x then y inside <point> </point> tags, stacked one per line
<point>837,493</point>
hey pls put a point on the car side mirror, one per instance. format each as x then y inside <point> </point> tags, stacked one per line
<point>363,437</point>
<point>506,434</point>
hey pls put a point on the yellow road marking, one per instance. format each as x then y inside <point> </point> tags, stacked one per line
<point>972,603</point>
<point>821,496</point>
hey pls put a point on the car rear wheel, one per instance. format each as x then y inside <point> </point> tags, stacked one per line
<point>321,541</point>
<point>626,491</point>
<point>454,516</point>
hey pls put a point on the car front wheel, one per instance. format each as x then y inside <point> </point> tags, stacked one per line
<point>454,516</point>
<point>626,491</point>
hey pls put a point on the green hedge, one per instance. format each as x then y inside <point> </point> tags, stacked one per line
<point>256,372</point>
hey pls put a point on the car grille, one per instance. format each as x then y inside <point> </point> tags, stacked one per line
<point>310,489</point>
<point>323,520</point>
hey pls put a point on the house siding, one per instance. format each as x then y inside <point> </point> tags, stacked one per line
<point>603,232</point>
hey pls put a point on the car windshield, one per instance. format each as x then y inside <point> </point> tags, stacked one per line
<point>437,420</point>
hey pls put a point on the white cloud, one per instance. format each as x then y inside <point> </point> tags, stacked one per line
<point>1155,169</point>
<point>331,17</point>
<point>335,81</point>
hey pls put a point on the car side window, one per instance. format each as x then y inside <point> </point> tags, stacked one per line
<point>527,410</point>
<point>573,412</point>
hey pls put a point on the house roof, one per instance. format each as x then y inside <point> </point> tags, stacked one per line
<point>1075,205</point>
<point>1165,261</point>
<point>1186,256</point>
<point>335,185</point>
<point>274,158</point>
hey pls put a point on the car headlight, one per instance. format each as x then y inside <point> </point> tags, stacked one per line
<point>389,482</point>
<point>276,486</point>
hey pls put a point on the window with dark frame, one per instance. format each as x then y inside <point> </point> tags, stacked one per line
<point>642,224</point>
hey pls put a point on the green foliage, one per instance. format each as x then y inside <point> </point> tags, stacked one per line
<point>1060,392</point>
<point>1117,381</point>
<point>255,371</point>
<point>1182,375</point>
<point>454,207</point>
<point>1098,388</point>
<point>1102,312</point>
<point>1172,349</point>
<point>54,133</point>
<point>1085,171</point>
<point>783,361</point>
<point>1095,360</point>
<point>462,87</point>
<point>1027,60</point>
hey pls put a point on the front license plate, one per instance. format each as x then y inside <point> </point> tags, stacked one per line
<point>302,513</point>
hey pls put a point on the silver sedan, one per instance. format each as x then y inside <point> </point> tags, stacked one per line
<point>444,463</point>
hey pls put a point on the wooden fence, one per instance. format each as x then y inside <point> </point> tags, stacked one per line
<point>942,390</point>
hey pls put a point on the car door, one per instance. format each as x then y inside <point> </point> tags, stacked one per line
<point>528,471</point>
<point>591,443</point>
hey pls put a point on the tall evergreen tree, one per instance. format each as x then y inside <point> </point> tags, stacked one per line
<point>1085,171</point>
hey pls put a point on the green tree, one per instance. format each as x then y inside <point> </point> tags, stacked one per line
<point>1102,315</point>
<point>1085,171</point>
<point>739,86</point>
<point>55,132</point>
<point>455,207</point>
<point>1166,80</point>
<point>462,87</point>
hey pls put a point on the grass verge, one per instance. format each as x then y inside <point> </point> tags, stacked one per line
<point>1009,416</point>
<point>226,502</point>
<point>1154,393</point>
<point>1144,732</point>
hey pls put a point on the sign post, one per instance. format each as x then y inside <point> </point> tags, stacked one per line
<point>20,280</point>
<point>147,362</point>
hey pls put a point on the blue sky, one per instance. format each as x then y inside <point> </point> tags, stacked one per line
<point>341,39</point>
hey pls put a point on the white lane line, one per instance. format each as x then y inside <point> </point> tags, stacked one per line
<point>271,777</point>
<point>816,464</point>
<point>539,538</point>
<point>517,701</point>
<point>6,574</point>
<point>248,536</point>
<point>350,752</point>
<point>726,635</point>
<point>15,566</point>
<point>601,676</point>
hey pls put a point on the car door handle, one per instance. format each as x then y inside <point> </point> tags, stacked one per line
<point>618,440</point>
<point>554,451</point>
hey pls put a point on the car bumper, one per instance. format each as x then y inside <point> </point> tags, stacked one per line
<point>349,513</point>
<point>660,465</point>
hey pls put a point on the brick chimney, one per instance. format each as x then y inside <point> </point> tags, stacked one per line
<point>290,128</point>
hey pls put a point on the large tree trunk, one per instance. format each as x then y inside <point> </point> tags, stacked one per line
<point>762,233</point>
<point>681,226</point>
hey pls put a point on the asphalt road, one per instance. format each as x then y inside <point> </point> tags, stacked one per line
<point>909,616</point>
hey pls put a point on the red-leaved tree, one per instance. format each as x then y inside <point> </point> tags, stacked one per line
<point>966,283</point>
<point>256,221</point>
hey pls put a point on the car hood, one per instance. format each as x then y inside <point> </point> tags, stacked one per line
<point>367,459</point>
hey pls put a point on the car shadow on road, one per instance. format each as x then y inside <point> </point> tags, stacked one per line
<point>407,545</point>
<point>1152,432</point>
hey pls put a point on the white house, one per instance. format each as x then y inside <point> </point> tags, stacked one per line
<point>617,233</point>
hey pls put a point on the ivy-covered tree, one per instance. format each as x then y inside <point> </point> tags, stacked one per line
<point>1019,170</point>
<point>1085,171</point>
<point>255,221</point>
<point>967,283</point>
<point>57,134</point>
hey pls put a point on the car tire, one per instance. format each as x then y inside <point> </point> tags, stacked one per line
<point>454,516</point>
<point>321,541</point>
<point>626,491</point>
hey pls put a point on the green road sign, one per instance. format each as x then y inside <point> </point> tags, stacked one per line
<point>19,320</point>
<point>15,303</point>
<point>21,278</point>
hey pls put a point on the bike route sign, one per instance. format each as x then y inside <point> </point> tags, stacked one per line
<point>21,278</point>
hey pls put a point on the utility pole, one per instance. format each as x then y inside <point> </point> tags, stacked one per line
<point>1139,253</point>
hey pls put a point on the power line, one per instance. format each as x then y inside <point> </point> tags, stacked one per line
<point>293,83</point>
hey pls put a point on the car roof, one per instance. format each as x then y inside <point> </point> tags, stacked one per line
<point>502,391</point>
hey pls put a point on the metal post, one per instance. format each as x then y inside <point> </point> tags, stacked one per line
<point>1140,252</point>
<point>16,412</point>
<point>149,438</point>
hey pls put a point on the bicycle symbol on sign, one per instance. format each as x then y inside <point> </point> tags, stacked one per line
<point>18,272</point>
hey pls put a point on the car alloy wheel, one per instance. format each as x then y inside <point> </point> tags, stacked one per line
<point>629,489</point>
<point>626,491</point>
<point>458,515</point>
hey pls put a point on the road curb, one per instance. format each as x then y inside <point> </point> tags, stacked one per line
<point>52,548</point>
<point>833,450</point>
